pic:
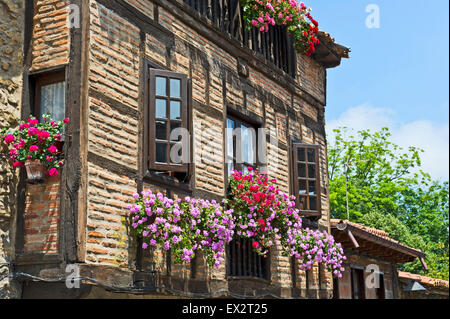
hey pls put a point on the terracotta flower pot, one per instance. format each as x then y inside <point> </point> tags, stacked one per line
<point>35,171</point>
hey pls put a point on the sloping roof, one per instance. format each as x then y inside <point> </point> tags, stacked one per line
<point>423,280</point>
<point>374,241</point>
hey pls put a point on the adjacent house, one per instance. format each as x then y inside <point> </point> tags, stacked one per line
<point>126,73</point>
<point>371,267</point>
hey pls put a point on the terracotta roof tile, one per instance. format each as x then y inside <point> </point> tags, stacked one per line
<point>432,282</point>
<point>377,232</point>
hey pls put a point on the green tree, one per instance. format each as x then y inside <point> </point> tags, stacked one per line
<point>387,189</point>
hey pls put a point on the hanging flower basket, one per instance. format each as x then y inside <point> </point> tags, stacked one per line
<point>36,146</point>
<point>35,171</point>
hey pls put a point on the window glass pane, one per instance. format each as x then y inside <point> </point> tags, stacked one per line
<point>313,203</point>
<point>302,187</point>
<point>161,109</point>
<point>175,88</point>
<point>301,170</point>
<point>173,127</point>
<point>161,153</point>
<point>161,130</point>
<point>312,187</point>
<point>175,110</point>
<point>53,101</point>
<point>312,171</point>
<point>301,154</point>
<point>161,86</point>
<point>311,155</point>
<point>229,134</point>
<point>230,168</point>
<point>248,144</point>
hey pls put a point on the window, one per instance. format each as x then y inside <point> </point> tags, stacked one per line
<point>380,290</point>
<point>169,139</point>
<point>243,261</point>
<point>306,183</point>
<point>241,144</point>
<point>241,153</point>
<point>358,287</point>
<point>50,96</point>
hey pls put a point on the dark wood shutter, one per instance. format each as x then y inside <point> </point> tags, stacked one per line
<point>306,178</point>
<point>168,110</point>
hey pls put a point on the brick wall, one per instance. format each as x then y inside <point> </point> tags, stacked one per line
<point>42,217</point>
<point>115,131</point>
<point>115,134</point>
<point>50,42</point>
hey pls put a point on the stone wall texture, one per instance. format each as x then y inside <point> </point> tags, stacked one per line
<point>11,61</point>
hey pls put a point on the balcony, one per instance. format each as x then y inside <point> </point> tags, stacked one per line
<point>275,46</point>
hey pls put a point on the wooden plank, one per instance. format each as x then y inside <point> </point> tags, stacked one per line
<point>72,171</point>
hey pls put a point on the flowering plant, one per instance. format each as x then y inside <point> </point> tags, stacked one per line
<point>296,17</point>
<point>184,226</point>
<point>266,215</point>
<point>262,212</point>
<point>33,140</point>
<point>318,247</point>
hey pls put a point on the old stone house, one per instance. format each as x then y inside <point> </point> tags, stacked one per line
<point>125,72</point>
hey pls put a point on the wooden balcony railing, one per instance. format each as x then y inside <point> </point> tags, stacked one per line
<point>276,46</point>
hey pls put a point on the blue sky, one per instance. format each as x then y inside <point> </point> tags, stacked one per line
<point>397,75</point>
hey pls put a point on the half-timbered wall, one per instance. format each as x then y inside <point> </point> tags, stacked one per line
<point>106,61</point>
<point>124,35</point>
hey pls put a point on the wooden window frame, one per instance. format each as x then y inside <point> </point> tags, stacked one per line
<point>295,179</point>
<point>151,129</point>
<point>44,80</point>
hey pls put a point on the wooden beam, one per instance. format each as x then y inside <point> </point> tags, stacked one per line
<point>422,260</point>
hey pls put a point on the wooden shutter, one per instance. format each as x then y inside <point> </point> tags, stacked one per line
<point>168,110</point>
<point>306,178</point>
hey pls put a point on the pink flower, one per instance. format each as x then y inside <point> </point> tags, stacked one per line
<point>13,152</point>
<point>24,126</point>
<point>17,164</point>
<point>66,121</point>
<point>255,23</point>
<point>52,172</point>
<point>34,148</point>
<point>43,135</point>
<point>32,131</point>
<point>9,138</point>
<point>53,149</point>
<point>33,121</point>
<point>255,244</point>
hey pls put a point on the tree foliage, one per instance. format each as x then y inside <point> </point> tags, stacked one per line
<point>387,189</point>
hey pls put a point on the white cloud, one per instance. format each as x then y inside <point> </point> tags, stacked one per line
<point>431,137</point>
